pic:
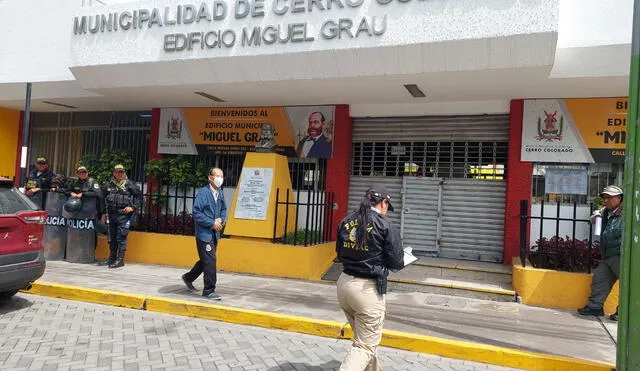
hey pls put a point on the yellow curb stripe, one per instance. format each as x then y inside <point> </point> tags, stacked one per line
<point>418,343</point>
<point>456,286</point>
<point>245,317</point>
<point>61,291</point>
<point>488,353</point>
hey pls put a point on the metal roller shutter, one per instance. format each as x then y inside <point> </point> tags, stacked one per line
<point>359,184</point>
<point>432,128</point>
<point>473,219</point>
<point>420,225</point>
<point>446,196</point>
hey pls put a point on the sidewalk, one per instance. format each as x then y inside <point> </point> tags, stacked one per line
<point>508,325</point>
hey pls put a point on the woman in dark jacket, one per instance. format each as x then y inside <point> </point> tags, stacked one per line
<point>368,246</point>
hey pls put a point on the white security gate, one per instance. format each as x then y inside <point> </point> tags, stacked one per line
<point>454,218</point>
<point>473,219</point>
<point>421,205</point>
<point>358,185</point>
<point>447,179</point>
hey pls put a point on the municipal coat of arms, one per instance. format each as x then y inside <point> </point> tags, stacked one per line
<point>552,128</point>
<point>174,128</point>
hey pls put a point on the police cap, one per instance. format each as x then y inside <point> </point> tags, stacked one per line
<point>380,192</point>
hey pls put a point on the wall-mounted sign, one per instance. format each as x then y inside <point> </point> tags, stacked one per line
<point>574,130</point>
<point>254,192</point>
<point>302,131</point>
<point>398,150</point>
<point>566,181</point>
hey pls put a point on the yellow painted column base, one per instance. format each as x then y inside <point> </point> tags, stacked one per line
<point>555,289</point>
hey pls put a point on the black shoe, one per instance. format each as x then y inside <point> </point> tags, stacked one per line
<point>212,296</point>
<point>117,264</point>
<point>189,285</point>
<point>586,311</point>
<point>105,262</point>
<point>614,317</point>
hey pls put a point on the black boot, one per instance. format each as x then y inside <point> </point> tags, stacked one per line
<point>119,262</point>
<point>112,258</point>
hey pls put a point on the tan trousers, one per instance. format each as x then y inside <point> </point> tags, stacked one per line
<point>364,309</point>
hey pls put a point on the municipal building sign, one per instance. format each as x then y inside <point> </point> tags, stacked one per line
<point>216,34</point>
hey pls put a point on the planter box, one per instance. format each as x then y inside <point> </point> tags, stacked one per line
<point>556,289</point>
<point>242,255</point>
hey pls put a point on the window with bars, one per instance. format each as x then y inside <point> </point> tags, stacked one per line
<point>64,137</point>
<point>599,176</point>
<point>478,160</point>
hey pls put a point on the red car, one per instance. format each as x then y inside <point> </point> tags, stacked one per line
<point>21,250</point>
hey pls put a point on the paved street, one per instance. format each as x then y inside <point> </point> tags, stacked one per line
<point>510,325</point>
<point>39,333</point>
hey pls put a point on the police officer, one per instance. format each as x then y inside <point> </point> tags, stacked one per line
<point>368,245</point>
<point>82,186</point>
<point>59,183</point>
<point>39,182</point>
<point>122,198</point>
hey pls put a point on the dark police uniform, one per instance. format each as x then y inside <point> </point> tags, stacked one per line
<point>42,181</point>
<point>116,200</point>
<point>88,187</point>
<point>363,283</point>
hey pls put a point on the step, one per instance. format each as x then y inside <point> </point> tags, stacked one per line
<point>461,270</point>
<point>448,277</point>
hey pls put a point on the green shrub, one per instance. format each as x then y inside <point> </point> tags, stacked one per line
<point>298,237</point>
<point>100,166</point>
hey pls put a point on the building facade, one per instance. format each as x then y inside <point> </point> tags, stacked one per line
<point>432,98</point>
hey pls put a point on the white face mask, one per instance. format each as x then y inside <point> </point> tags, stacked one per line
<point>217,181</point>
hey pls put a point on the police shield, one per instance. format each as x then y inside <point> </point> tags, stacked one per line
<point>37,199</point>
<point>55,228</point>
<point>81,233</point>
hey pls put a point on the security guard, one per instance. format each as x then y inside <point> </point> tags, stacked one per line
<point>82,186</point>
<point>122,198</point>
<point>368,245</point>
<point>39,182</point>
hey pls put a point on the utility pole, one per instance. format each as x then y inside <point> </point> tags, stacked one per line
<point>628,354</point>
<point>22,177</point>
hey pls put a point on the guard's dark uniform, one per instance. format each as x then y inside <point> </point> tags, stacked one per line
<point>88,187</point>
<point>42,181</point>
<point>117,199</point>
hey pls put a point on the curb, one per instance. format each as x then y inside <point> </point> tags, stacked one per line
<point>485,290</point>
<point>417,343</point>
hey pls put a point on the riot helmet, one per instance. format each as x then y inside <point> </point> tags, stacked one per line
<point>73,205</point>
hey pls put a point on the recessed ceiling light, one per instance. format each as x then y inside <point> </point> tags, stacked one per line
<point>209,96</point>
<point>58,104</point>
<point>415,91</point>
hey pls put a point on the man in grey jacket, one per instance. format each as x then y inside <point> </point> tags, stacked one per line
<point>608,271</point>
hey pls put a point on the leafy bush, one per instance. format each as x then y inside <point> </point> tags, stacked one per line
<point>559,254</point>
<point>170,170</point>
<point>297,237</point>
<point>100,165</point>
